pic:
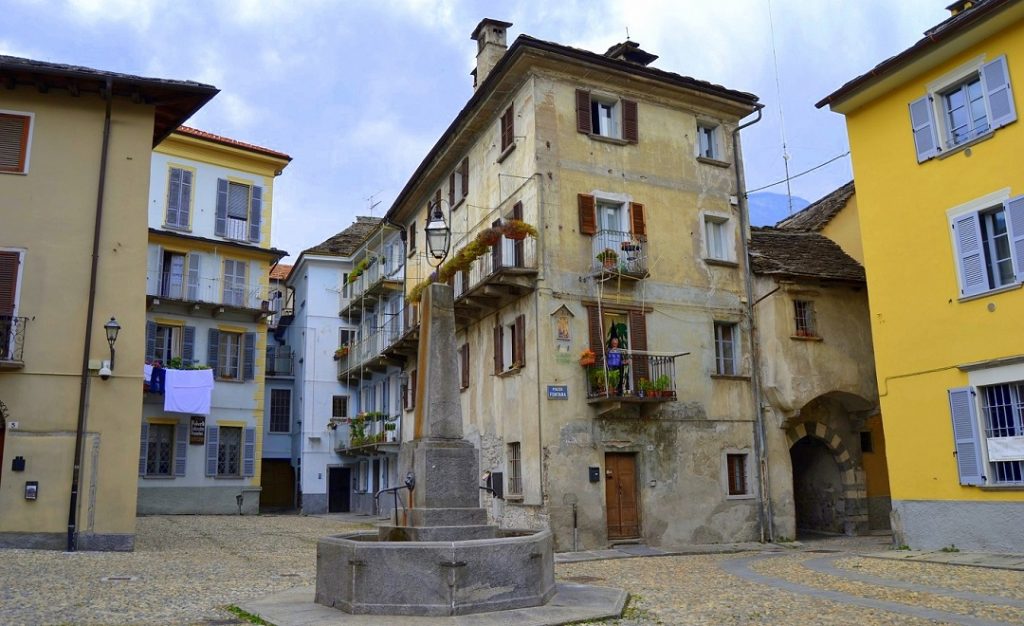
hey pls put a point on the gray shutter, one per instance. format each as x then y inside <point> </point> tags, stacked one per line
<point>150,340</point>
<point>922,122</point>
<point>185,203</point>
<point>965,436</point>
<point>970,256</point>
<point>220,222</point>
<point>1014,208</point>
<point>173,197</point>
<point>180,448</point>
<point>249,357</point>
<point>212,439</point>
<point>995,79</point>
<point>255,213</point>
<point>212,344</point>
<point>249,453</point>
<point>194,262</point>
<point>188,345</point>
<point>142,449</point>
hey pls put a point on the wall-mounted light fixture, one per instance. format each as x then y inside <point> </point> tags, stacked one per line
<point>112,328</point>
<point>438,232</point>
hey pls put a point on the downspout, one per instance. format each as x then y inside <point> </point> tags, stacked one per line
<point>83,393</point>
<point>764,511</point>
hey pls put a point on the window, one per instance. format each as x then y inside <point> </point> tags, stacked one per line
<point>239,210</point>
<point>707,141</point>
<point>363,476</point>
<point>179,198</point>
<point>717,237</point>
<point>1003,410</point>
<point>507,127</point>
<point>160,450</point>
<point>606,116</point>
<point>803,313</point>
<point>725,348</point>
<point>229,451</point>
<point>339,406</point>
<point>458,183</point>
<point>15,139</point>
<point>344,287</point>
<point>515,469</point>
<point>412,238</point>
<point>510,345</point>
<point>464,365</point>
<point>229,355</point>
<point>989,244</point>
<point>280,410</point>
<point>167,343</point>
<point>410,391</point>
<point>968,103</point>
<point>385,469</point>
<point>235,283</point>
<point>736,471</point>
<point>866,444</point>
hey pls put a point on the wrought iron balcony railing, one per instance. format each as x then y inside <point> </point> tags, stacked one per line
<point>12,341</point>
<point>640,378</point>
<point>619,252</point>
<point>280,361</point>
<point>224,291</point>
<point>366,433</point>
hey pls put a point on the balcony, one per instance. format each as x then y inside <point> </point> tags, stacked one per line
<point>216,294</point>
<point>381,275</point>
<point>367,355</point>
<point>280,361</point>
<point>645,379</point>
<point>12,342</point>
<point>370,433</point>
<point>619,253</point>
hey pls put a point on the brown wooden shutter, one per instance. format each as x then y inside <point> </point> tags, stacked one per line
<point>8,280</point>
<point>519,349</point>
<point>594,325</point>
<point>636,216</point>
<point>630,125</point>
<point>588,214</point>
<point>497,349</point>
<point>496,249</point>
<point>412,389</point>
<point>464,171</point>
<point>451,189</point>
<point>638,341</point>
<point>519,247</point>
<point>13,142</point>
<point>464,351</point>
<point>507,129</point>
<point>583,122</point>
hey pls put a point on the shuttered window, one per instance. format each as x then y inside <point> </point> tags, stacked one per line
<point>179,197</point>
<point>507,128</point>
<point>464,365</point>
<point>14,142</point>
<point>234,282</point>
<point>989,245</point>
<point>607,117</point>
<point>229,355</point>
<point>238,201</point>
<point>9,262</point>
<point>464,175</point>
<point>587,206</point>
<point>159,449</point>
<point>229,451</point>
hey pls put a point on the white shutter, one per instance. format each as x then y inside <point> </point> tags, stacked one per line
<point>965,436</point>
<point>970,255</point>
<point>1014,208</point>
<point>995,80</point>
<point>922,122</point>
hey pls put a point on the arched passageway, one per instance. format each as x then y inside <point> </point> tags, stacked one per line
<point>818,492</point>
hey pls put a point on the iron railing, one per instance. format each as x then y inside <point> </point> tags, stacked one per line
<point>363,432</point>
<point>222,291</point>
<point>12,337</point>
<point>641,376</point>
<point>280,361</point>
<point>619,251</point>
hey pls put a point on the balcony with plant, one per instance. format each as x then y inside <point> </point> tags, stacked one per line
<point>619,252</point>
<point>368,432</point>
<point>643,378</point>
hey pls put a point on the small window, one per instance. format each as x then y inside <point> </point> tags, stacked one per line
<point>412,238</point>
<point>507,126</point>
<point>725,349</point>
<point>229,451</point>
<point>736,468</point>
<point>280,410</point>
<point>717,237</point>
<point>160,450</point>
<point>168,343</point>
<point>964,111</point>
<point>515,469</point>
<point>510,345</point>
<point>988,245</point>
<point>339,406</point>
<point>229,356</point>
<point>707,141</point>
<point>179,198</point>
<point>803,312</point>
<point>15,135</point>
<point>605,117</point>
<point>235,282</point>
<point>866,445</point>
<point>464,365</point>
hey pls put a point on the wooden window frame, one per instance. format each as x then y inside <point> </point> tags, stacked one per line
<point>277,405</point>
<point>737,474</point>
<point>25,142</point>
<point>720,340</point>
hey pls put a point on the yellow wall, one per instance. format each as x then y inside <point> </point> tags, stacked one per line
<point>844,229</point>
<point>49,212</point>
<point>876,471</point>
<point>921,329</point>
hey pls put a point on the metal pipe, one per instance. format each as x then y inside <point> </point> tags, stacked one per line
<point>764,511</point>
<point>83,393</point>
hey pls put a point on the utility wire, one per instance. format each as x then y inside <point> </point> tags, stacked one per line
<point>789,178</point>
<point>782,120</point>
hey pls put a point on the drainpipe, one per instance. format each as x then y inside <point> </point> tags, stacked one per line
<point>764,511</point>
<point>87,344</point>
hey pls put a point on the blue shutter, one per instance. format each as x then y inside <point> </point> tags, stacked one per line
<point>188,345</point>
<point>249,357</point>
<point>173,197</point>
<point>220,222</point>
<point>212,344</point>
<point>185,203</point>
<point>150,340</point>
<point>970,255</point>
<point>212,439</point>
<point>965,436</point>
<point>1014,208</point>
<point>922,122</point>
<point>142,449</point>
<point>249,453</point>
<point>995,79</point>
<point>255,213</point>
<point>194,261</point>
<point>180,448</point>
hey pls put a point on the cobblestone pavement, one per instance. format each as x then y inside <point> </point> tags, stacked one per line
<point>187,568</point>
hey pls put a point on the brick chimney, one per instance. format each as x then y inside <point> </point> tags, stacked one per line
<point>491,45</point>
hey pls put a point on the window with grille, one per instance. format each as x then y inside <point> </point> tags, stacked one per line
<point>280,410</point>
<point>725,348</point>
<point>1003,408</point>
<point>339,406</point>
<point>515,469</point>
<point>736,467</point>
<point>160,450</point>
<point>229,451</point>
<point>803,312</point>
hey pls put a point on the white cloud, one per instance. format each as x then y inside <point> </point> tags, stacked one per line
<point>136,13</point>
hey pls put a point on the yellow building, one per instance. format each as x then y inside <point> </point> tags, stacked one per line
<point>935,141</point>
<point>75,146</point>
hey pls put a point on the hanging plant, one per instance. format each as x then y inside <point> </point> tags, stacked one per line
<point>358,270</point>
<point>518,230</point>
<point>489,236</point>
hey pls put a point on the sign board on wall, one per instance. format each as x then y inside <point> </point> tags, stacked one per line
<point>197,430</point>
<point>558,392</point>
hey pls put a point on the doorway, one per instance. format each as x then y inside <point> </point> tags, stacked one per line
<point>817,487</point>
<point>621,495</point>
<point>339,481</point>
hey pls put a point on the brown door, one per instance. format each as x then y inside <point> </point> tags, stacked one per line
<point>620,495</point>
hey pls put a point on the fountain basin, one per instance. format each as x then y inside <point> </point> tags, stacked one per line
<point>360,574</point>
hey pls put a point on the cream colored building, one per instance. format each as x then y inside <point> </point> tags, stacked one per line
<point>75,152</point>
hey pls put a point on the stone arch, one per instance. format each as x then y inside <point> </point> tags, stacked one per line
<point>854,517</point>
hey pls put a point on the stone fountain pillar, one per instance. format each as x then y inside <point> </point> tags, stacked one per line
<point>445,502</point>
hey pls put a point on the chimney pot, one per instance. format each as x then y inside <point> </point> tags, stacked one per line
<point>491,44</point>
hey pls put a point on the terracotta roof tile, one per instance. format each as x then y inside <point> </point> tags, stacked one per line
<point>280,271</point>
<point>800,254</point>
<point>817,215</point>
<point>346,242</point>
<point>227,141</point>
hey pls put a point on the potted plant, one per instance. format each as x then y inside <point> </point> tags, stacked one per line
<point>489,236</point>
<point>587,358</point>
<point>608,258</point>
<point>661,385</point>
<point>518,229</point>
<point>341,352</point>
<point>614,376</point>
<point>597,381</point>
<point>646,387</point>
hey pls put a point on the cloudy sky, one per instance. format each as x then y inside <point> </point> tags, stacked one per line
<point>357,92</point>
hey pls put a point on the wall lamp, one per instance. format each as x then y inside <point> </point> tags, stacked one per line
<point>111,328</point>
<point>438,232</point>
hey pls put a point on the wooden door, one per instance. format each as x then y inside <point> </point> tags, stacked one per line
<point>621,495</point>
<point>338,489</point>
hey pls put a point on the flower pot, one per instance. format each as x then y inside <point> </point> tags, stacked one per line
<point>609,263</point>
<point>587,361</point>
<point>515,235</point>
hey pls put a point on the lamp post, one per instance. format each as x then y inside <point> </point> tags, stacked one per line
<point>112,328</point>
<point>438,234</point>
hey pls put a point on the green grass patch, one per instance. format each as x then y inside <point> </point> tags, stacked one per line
<point>247,616</point>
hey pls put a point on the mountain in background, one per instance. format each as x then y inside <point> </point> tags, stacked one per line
<point>766,208</point>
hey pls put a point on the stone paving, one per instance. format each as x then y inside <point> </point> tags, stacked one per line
<point>187,568</point>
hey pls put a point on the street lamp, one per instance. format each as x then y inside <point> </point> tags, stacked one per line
<point>439,234</point>
<point>112,328</point>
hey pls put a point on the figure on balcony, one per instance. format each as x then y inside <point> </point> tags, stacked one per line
<point>617,363</point>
